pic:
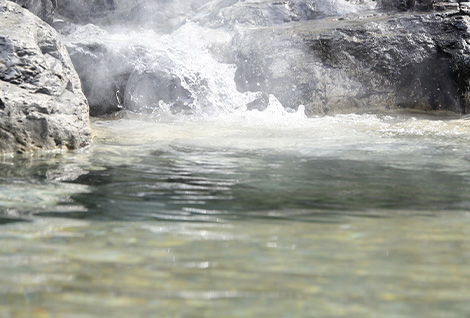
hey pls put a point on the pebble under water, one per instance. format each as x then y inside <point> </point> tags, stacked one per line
<point>341,216</point>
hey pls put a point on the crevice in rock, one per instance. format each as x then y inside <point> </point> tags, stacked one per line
<point>43,90</point>
<point>69,87</point>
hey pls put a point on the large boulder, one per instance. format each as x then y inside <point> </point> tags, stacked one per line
<point>41,102</point>
<point>415,61</point>
<point>42,8</point>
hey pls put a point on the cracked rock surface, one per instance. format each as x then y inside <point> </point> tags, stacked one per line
<point>41,102</point>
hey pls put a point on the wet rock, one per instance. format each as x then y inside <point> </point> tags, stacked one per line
<point>464,7</point>
<point>82,11</point>
<point>103,70</point>
<point>266,13</point>
<point>44,9</point>
<point>170,14</point>
<point>147,92</point>
<point>449,7</point>
<point>42,105</point>
<point>419,61</point>
<point>163,15</point>
<point>405,5</point>
<point>330,56</point>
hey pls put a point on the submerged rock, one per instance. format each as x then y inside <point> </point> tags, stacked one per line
<point>41,102</point>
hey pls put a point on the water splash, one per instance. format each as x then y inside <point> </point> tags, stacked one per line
<point>191,69</point>
<point>175,73</point>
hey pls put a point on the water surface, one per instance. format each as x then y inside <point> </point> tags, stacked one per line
<point>242,216</point>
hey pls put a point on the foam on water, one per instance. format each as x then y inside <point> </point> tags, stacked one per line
<point>352,136</point>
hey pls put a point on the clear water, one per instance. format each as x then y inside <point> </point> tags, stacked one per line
<point>244,215</point>
<point>233,213</point>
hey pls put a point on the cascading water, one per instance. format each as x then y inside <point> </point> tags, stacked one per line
<point>213,188</point>
<point>192,68</point>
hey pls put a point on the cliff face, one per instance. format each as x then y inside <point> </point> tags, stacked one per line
<point>41,102</point>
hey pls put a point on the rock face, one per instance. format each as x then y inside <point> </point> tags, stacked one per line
<point>163,15</point>
<point>417,61</point>
<point>103,70</point>
<point>414,62</point>
<point>42,8</point>
<point>41,102</point>
<point>404,5</point>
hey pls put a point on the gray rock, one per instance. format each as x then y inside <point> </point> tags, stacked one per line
<point>465,7</point>
<point>417,61</point>
<point>147,92</point>
<point>162,15</point>
<point>103,69</point>
<point>405,5</point>
<point>118,73</point>
<point>41,102</point>
<point>44,9</point>
<point>170,14</point>
<point>453,7</point>
<point>266,13</point>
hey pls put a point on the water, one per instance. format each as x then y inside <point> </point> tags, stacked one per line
<point>203,199</point>
<point>342,216</point>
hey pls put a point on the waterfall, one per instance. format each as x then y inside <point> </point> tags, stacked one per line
<point>200,58</point>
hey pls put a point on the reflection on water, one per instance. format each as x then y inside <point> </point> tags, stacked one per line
<point>348,216</point>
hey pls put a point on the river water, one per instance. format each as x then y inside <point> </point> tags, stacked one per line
<point>250,215</point>
<point>196,206</point>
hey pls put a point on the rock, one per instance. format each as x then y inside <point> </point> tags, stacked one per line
<point>330,56</point>
<point>465,7</point>
<point>42,8</point>
<point>418,61</point>
<point>103,69</point>
<point>447,6</point>
<point>41,102</point>
<point>148,92</point>
<point>83,11</point>
<point>405,5</point>
<point>162,15</point>
<point>170,14</point>
<point>267,13</point>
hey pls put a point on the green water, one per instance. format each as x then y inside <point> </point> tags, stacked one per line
<point>346,216</point>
